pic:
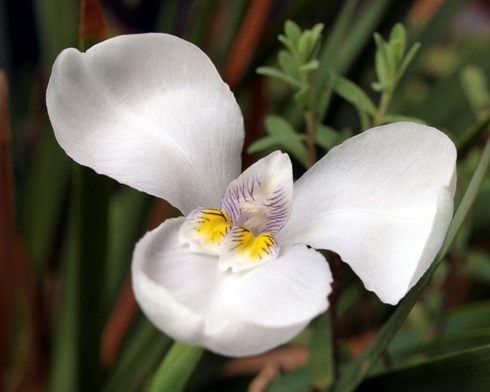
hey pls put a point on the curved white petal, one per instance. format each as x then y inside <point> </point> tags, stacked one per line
<point>261,198</point>
<point>383,200</point>
<point>152,112</point>
<point>236,314</point>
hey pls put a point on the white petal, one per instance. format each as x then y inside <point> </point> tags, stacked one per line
<point>236,314</point>
<point>383,201</point>
<point>262,196</point>
<point>150,111</point>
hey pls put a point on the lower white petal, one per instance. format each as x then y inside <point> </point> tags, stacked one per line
<point>236,314</point>
<point>383,201</point>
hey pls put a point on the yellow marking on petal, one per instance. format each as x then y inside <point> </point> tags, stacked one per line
<point>247,245</point>
<point>212,225</point>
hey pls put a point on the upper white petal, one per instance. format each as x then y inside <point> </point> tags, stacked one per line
<point>383,200</point>
<point>150,111</point>
<point>237,314</point>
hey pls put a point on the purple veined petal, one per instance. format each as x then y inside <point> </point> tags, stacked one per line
<point>235,314</point>
<point>151,111</point>
<point>382,200</point>
<point>261,197</point>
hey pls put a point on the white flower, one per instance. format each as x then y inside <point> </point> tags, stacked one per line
<point>152,112</point>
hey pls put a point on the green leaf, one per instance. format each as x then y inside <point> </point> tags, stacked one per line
<point>176,368</point>
<point>354,373</point>
<point>293,32</point>
<point>327,137</point>
<point>316,31</point>
<point>275,73</point>
<point>308,42</point>
<point>407,60</point>
<point>384,59</point>
<point>353,94</point>
<point>288,44</point>
<point>288,63</point>
<point>42,203</point>
<point>476,89</point>
<point>265,143</point>
<point>286,137</point>
<point>463,371</point>
<point>305,46</point>
<point>64,361</point>
<point>311,65</point>
<point>321,352</point>
<point>138,359</point>
<point>398,40</point>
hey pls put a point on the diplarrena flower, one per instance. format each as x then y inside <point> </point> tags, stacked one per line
<point>239,272</point>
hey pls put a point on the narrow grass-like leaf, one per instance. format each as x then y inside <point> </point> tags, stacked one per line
<point>321,352</point>
<point>450,344</point>
<point>199,23</point>
<point>127,216</point>
<point>176,368</point>
<point>463,371</point>
<point>139,358</point>
<point>65,346</point>
<point>471,135</point>
<point>43,203</point>
<point>354,373</point>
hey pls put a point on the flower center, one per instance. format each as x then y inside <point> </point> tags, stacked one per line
<point>211,231</point>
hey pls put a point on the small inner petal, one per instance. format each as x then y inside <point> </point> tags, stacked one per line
<point>261,198</point>
<point>205,229</point>
<point>243,250</point>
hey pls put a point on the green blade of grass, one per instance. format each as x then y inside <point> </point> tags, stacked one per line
<point>176,368</point>
<point>463,371</point>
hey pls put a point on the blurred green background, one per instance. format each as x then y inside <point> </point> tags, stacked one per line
<point>68,320</point>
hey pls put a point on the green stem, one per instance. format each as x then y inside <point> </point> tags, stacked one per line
<point>176,368</point>
<point>383,107</point>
